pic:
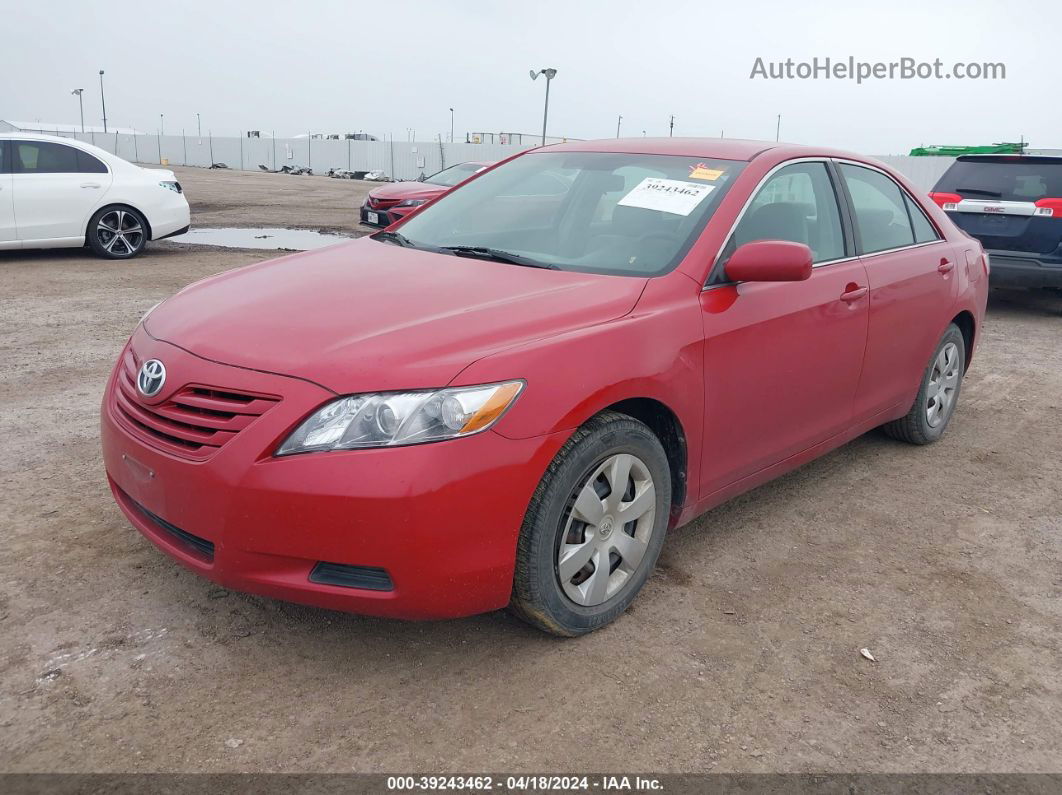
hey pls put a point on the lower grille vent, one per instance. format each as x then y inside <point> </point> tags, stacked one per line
<point>366,577</point>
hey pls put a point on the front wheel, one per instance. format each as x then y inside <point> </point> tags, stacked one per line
<point>594,528</point>
<point>937,395</point>
<point>117,233</point>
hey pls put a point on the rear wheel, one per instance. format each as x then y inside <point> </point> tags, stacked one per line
<point>937,395</point>
<point>117,233</point>
<point>594,528</point>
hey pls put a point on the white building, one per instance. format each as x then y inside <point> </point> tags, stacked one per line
<point>52,128</point>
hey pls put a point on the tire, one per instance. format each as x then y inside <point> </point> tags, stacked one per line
<point>938,393</point>
<point>117,232</point>
<point>575,488</point>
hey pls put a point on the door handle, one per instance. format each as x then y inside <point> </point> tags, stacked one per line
<point>945,266</point>
<point>854,295</point>
<point>90,184</point>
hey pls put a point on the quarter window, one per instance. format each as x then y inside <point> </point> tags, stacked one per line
<point>87,164</point>
<point>880,209</point>
<point>797,204</point>
<point>924,231</point>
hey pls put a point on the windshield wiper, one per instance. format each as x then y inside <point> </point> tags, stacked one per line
<point>395,237</point>
<point>982,191</point>
<point>498,255</point>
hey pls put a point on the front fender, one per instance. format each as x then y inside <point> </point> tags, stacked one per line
<point>653,352</point>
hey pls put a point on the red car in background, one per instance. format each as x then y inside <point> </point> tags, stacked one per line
<point>510,397</point>
<point>386,204</point>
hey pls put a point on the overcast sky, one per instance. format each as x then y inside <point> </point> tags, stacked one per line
<point>385,67</point>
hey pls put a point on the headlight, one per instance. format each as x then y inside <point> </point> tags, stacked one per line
<point>174,186</point>
<point>388,419</point>
<point>412,203</point>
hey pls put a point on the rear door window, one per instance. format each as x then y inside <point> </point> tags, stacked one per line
<point>1018,178</point>
<point>880,209</point>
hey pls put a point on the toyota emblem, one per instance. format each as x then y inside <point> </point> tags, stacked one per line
<point>151,377</point>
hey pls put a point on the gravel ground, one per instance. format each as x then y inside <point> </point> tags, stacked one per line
<point>248,199</point>
<point>742,653</point>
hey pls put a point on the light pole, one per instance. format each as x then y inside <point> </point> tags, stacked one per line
<point>618,120</point>
<point>198,126</point>
<point>550,74</point>
<point>162,124</point>
<point>80,106</point>
<point>671,128</point>
<point>103,102</point>
<point>451,125</point>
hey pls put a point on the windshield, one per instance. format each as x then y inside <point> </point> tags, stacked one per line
<point>454,174</point>
<point>1019,179</point>
<point>598,212</point>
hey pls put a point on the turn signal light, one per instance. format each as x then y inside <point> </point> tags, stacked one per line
<point>493,408</point>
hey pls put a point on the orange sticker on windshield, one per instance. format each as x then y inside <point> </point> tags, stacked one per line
<point>701,171</point>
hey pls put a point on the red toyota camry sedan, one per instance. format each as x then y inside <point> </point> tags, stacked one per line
<point>509,398</point>
<point>390,202</point>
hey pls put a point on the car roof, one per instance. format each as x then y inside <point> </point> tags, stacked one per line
<point>109,158</point>
<point>1008,158</point>
<point>38,136</point>
<point>714,148</point>
<point>59,139</point>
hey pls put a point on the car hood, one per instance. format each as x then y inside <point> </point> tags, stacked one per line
<point>397,191</point>
<point>369,316</point>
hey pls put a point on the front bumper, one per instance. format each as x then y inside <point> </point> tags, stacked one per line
<point>1016,269</point>
<point>441,519</point>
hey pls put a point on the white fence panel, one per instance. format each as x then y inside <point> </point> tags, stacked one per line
<point>922,171</point>
<point>399,159</point>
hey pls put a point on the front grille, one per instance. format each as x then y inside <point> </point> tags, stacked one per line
<point>346,576</point>
<point>382,204</point>
<point>194,423</point>
<point>195,543</point>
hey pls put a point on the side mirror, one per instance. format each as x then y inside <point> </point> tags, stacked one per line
<point>769,261</point>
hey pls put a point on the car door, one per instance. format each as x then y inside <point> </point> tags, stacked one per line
<point>8,235</point>
<point>56,189</point>
<point>911,273</point>
<point>782,360</point>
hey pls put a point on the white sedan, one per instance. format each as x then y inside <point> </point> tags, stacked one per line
<point>62,193</point>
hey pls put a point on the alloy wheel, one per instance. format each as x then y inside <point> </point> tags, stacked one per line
<point>606,530</point>
<point>120,233</point>
<point>943,384</point>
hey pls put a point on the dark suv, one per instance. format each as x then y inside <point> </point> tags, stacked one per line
<point>1013,205</point>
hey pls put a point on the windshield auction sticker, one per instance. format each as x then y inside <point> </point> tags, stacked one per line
<point>666,195</point>
<point>701,171</point>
